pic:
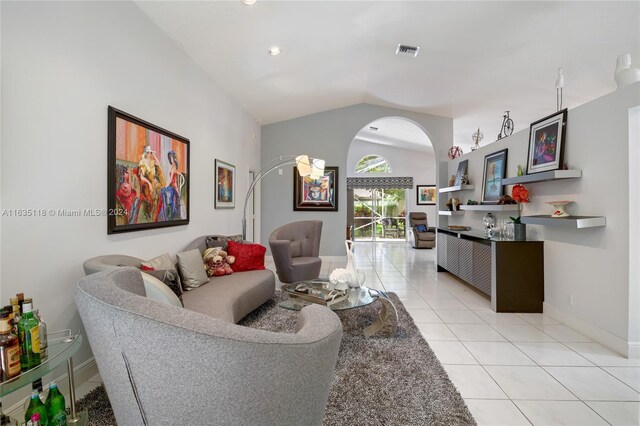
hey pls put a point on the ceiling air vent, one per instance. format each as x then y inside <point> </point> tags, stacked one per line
<point>403,49</point>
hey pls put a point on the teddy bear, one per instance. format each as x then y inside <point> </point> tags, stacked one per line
<point>217,262</point>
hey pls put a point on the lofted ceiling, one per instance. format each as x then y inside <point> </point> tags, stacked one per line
<point>476,60</point>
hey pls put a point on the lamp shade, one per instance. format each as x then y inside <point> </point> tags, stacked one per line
<point>317,168</point>
<point>304,165</point>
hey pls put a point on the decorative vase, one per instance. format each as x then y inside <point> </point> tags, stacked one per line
<point>625,74</point>
<point>519,231</point>
<point>357,279</point>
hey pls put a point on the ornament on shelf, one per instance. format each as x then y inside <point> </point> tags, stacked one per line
<point>559,86</point>
<point>559,208</point>
<point>520,171</point>
<point>625,74</point>
<point>476,138</point>
<point>455,152</point>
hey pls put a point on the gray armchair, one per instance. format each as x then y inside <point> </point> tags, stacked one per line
<point>420,239</point>
<point>165,365</point>
<point>296,250</point>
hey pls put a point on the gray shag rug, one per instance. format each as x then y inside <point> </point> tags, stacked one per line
<point>378,381</point>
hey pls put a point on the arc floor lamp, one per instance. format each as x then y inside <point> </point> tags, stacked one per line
<point>312,167</point>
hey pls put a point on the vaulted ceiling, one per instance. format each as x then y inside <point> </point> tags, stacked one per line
<point>476,60</point>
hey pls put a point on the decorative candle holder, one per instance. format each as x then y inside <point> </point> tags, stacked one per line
<point>559,208</point>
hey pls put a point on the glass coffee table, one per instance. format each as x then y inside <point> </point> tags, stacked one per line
<point>356,298</point>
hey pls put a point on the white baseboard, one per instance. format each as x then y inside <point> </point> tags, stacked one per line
<point>13,404</point>
<point>616,344</point>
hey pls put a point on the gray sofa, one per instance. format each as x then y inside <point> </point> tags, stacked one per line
<point>229,297</point>
<point>166,365</point>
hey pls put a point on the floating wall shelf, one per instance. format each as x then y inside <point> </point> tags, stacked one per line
<point>544,176</point>
<point>450,213</point>
<point>574,222</point>
<point>456,188</point>
<point>490,207</point>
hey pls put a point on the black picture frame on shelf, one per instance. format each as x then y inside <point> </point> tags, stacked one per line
<point>546,143</point>
<point>495,167</point>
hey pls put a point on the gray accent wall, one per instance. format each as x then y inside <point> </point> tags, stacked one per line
<point>328,135</point>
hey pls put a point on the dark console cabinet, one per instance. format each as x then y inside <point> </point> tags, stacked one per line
<point>510,272</point>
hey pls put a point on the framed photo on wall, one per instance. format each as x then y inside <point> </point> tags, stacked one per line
<point>495,167</point>
<point>148,175</point>
<point>426,195</point>
<point>546,143</point>
<point>225,185</point>
<point>316,194</point>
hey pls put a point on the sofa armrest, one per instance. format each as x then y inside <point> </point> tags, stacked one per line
<point>281,252</point>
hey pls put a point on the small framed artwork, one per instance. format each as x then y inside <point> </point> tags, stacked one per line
<point>225,185</point>
<point>461,174</point>
<point>147,177</point>
<point>316,194</point>
<point>495,166</point>
<point>546,143</point>
<point>426,195</point>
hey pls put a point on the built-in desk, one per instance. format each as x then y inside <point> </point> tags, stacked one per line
<point>510,272</point>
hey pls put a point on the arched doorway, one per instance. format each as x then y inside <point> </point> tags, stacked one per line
<point>386,158</point>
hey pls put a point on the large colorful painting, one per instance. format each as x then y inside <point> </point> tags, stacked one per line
<point>148,176</point>
<point>225,183</point>
<point>546,143</point>
<point>495,167</point>
<point>316,194</point>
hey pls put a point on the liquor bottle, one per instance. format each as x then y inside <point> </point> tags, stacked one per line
<point>9,349</point>
<point>29,339</point>
<point>44,343</point>
<point>16,319</point>
<point>56,408</point>
<point>20,297</point>
<point>36,406</point>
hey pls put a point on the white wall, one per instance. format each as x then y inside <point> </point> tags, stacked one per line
<point>404,162</point>
<point>62,64</point>
<point>327,135</point>
<point>591,265</point>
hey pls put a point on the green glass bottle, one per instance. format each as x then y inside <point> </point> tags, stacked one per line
<point>29,333</point>
<point>36,406</point>
<point>56,408</point>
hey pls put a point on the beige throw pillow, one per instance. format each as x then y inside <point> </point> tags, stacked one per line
<point>192,269</point>
<point>161,262</point>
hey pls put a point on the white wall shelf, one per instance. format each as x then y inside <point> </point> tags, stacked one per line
<point>575,222</point>
<point>450,213</point>
<point>490,207</point>
<point>544,176</point>
<point>456,188</point>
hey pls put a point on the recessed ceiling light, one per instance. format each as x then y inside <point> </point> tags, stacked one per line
<point>275,50</point>
<point>249,2</point>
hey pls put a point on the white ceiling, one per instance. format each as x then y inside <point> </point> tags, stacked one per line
<point>396,132</point>
<point>477,59</point>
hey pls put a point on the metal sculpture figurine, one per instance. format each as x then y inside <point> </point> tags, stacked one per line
<point>476,138</point>
<point>507,126</point>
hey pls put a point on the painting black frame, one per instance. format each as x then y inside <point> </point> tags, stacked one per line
<point>489,159</point>
<point>112,209</point>
<point>426,203</point>
<point>328,206</point>
<point>557,122</point>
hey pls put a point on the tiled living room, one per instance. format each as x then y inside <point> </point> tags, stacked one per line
<point>186,104</point>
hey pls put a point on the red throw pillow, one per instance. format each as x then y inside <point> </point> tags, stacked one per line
<point>249,257</point>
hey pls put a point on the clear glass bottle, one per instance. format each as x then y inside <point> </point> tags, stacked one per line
<point>43,336</point>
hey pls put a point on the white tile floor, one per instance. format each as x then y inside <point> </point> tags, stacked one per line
<point>511,369</point>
